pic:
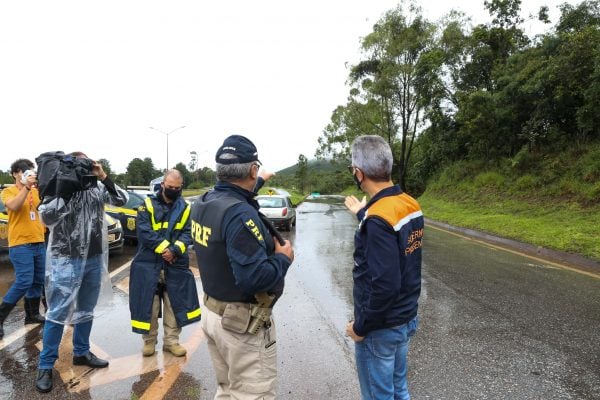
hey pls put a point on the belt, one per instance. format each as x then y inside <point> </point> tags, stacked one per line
<point>218,306</point>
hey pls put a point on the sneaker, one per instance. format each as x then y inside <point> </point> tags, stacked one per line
<point>148,348</point>
<point>176,349</point>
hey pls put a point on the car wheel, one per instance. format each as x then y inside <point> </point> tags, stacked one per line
<point>288,225</point>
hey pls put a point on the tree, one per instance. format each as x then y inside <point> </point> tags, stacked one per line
<point>188,177</point>
<point>5,177</point>
<point>105,166</point>
<point>301,172</point>
<point>391,91</point>
<point>206,176</point>
<point>141,172</point>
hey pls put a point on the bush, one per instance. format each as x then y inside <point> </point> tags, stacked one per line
<point>524,160</point>
<point>489,179</point>
<point>526,183</point>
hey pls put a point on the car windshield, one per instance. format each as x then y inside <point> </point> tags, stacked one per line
<point>135,201</point>
<point>271,202</point>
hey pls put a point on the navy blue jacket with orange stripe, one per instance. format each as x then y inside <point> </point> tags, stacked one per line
<point>387,261</point>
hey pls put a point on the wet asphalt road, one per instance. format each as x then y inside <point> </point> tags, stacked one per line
<point>494,325</point>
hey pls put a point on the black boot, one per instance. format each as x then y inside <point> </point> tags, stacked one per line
<point>32,311</point>
<point>43,383</point>
<point>44,303</point>
<point>5,309</point>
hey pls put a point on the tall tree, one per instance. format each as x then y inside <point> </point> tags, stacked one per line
<point>105,165</point>
<point>188,177</point>
<point>141,172</point>
<point>302,172</point>
<point>390,94</point>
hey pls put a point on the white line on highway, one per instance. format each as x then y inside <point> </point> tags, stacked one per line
<point>121,268</point>
<point>7,340</point>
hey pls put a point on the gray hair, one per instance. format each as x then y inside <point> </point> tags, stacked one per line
<point>373,156</point>
<point>233,172</point>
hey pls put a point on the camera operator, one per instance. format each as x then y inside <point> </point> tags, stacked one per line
<point>77,262</point>
<point>26,247</point>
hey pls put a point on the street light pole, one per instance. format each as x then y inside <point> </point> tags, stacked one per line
<point>167,135</point>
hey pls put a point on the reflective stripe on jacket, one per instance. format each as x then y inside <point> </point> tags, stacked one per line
<point>161,226</point>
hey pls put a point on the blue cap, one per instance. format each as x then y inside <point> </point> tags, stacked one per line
<point>240,147</point>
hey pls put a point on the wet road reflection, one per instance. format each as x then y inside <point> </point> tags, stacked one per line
<point>493,325</point>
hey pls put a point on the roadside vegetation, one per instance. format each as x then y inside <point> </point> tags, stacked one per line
<point>490,128</point>
<point>550,200</point>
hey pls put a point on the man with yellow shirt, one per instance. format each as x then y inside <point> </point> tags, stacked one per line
<point>26,247</point>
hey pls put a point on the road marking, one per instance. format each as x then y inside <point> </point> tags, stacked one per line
<point>541,260</point>
<point>121,268</point>
<point>165,380</point>
<point>81,378</point>
<point>7,340</point>
<point>19,333</point>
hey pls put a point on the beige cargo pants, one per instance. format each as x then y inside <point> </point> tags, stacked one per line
<point>245,364</point>
<point>171,330</point>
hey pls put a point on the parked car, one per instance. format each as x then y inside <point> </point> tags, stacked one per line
<point>127,214</point>
<point>116,239</point>
<point>115,231</point>
<point>278,209</point>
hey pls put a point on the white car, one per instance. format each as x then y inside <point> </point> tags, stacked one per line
<point>278,209</point>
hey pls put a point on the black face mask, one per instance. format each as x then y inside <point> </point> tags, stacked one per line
<point>172,194</point>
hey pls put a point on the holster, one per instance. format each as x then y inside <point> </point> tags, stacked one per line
<point>161,288</point>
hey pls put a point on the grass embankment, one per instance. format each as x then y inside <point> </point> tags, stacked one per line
<point>551,201</point>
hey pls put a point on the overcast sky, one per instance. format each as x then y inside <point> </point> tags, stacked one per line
<point>77,75</point>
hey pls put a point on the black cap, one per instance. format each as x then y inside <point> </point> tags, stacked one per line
<point>239,146</point>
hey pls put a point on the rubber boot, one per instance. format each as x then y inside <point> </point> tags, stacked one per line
<point>5,309</point>
<point>32,311</point>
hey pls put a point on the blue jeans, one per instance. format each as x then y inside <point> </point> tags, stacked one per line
<point>28,260</point>
<point>381,361</point>
<point>52,336</point>
<point>72,293</point>
<point>73,288</point>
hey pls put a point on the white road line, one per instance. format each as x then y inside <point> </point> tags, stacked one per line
<point>8,340</point>
<point>121,268</point>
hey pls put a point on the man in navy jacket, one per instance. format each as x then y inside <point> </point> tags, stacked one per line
<point>387,272</point>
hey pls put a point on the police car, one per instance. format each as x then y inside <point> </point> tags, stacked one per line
<point>127,214</point>
<point>115,231</point>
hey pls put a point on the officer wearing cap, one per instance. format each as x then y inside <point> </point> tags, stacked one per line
<point>241,265</point>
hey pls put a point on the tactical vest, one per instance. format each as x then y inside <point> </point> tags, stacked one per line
<point>211,250</point>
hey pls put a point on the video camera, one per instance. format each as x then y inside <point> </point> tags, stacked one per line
<point>61,175</point>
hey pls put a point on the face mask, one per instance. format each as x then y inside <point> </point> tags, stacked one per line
<point>172,194</point>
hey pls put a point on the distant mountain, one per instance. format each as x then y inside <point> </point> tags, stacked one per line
<point>313,165</point>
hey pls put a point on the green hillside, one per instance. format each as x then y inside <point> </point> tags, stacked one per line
<point>550,200</point>
<point>315,165</point>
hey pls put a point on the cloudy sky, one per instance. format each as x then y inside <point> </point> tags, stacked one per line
<point>94,76</point>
